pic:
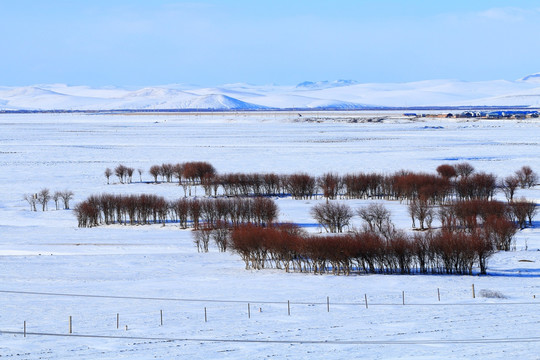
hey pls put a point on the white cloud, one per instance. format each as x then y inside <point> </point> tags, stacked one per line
<point>508,14</point>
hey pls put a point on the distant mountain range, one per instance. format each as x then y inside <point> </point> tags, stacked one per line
<point>338,95</point>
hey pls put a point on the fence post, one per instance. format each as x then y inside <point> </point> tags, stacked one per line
<point>70,325</point>
<point>403,297</point>
<point>289,307</point>
<point>205,317</point>
<point>117,320</point>
<point>249,312</point>
<point>473,294</point>
<point>161,317</point>
<point>328,304</point>
<point>24,328</point>
<point>439,294</point>
<point>365,297</point>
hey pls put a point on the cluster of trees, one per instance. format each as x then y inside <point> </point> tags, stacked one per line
<point>450,183</point>
<point>188,172</point>
<point>123,173</point>
<point>471,232</point>
<point>466,214</point>
<point>289,248</point>
<point>44,196</point>
<point>474,213</point>
<point>152,209</point>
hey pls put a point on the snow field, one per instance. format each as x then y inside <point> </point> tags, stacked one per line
<point>45,252</point>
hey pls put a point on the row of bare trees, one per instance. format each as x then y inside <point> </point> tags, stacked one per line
<point>44,196</point>
<point>189,172</point>
<point>450,183</point>
<point>289,248</point>
<point>123,173</point>
<point>143,209</point>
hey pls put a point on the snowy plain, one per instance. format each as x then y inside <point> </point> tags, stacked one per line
<point>139,271</point>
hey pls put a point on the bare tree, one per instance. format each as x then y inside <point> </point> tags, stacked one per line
<point>464,169</point>
<point>420,209</point>
<point>527,177</point>
<point>377,219</point>
<point>66,196</point>
<point>108,173</point>
<point>43,197</point>
<point>167,172</point>
<point>32,201</point>
<point>330,185</point>
<point>332,216</point>
<point>178,172</point>
<point>56,198</point>
<point>120,172</point>
<point>220,234</point>
<point>201,238</point>
<point>509,186</point>
<point>155,170</point>
<point>129,173</point>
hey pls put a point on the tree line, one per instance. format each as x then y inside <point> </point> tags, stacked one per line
<point>450,183</point>
<point>44,196</point>
<point>366,252</point>
<point>144,209</point>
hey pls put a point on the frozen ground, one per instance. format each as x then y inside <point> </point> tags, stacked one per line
<point>138,271</point>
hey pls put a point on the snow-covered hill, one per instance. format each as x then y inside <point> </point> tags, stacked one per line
<point>339,94</point>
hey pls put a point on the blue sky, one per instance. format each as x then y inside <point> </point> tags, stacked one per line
<point>139,43</point>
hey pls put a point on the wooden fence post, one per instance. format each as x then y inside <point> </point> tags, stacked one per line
<point>70,325</point>
<point>473,293</point>
<point>439,294</point>
<point>365,297</point>
<point>289,307</point>
<point>328,304</point>
<point>205,317</point>
<point>249,312</point>
<point>117,320</point>
<point>24,326</point>
<point>403,297</point>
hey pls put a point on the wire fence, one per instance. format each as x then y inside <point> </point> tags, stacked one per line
<point>101,322</point>
<point>536,301</point>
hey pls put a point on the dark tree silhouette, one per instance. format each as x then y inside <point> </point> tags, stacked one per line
<point>509,186</point>
<point>527,177</point>
<point>155,171</point>
<point>66,196</point>
<point>121,173</point>
<point>464,169</point>
<point>43,198</point>
<point>330,184</point>
<point>446,171</point>
<point>377,219</point>
<point>56,198</point>
<point>108,173</point>
<point>333,217</point>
